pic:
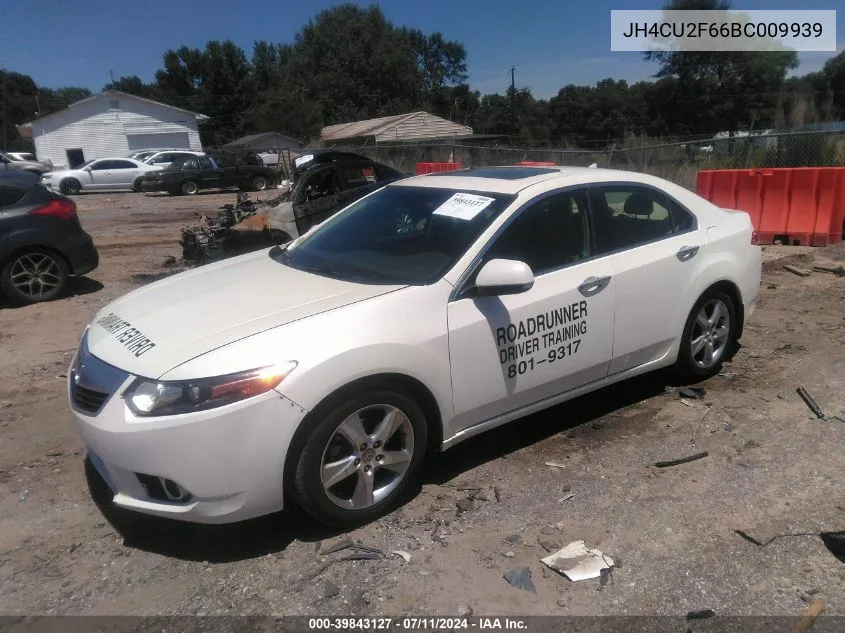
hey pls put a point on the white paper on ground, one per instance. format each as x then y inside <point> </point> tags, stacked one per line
<point>464,206</point>
<point>576,561</point>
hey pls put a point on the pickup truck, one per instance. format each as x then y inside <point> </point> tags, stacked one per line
<point>190,174</point>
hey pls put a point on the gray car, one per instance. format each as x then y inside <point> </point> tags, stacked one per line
<point>103,174</point>
<point>10,162</point>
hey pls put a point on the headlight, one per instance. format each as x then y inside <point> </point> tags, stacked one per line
<point>152,398</point>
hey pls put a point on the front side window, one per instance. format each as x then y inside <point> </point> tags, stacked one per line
<point>398,235</point>
<point>101,165</point>
<point>358,175</point>
<point>204,162</point>
<point>549,234</point>
<point>626,216</point>
<point>191,163</point>
<point>319,185</point>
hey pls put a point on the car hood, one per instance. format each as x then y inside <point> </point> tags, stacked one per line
<point>164,324</point>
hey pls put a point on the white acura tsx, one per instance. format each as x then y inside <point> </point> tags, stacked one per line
<point>434,309</point>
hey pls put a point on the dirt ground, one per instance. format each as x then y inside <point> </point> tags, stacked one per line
<point>774,473</point>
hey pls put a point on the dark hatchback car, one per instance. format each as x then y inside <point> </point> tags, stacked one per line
<point>41,240</point>
<point>188,175</point>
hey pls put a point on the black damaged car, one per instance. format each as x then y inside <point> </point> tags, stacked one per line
<point>188,175</point>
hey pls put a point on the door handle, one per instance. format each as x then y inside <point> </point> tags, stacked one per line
<point>686,253</point>
<point>593,285</point>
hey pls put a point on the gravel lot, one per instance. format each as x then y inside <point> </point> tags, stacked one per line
<point>488,506</point>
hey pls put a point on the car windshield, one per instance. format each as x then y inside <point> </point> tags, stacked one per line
<point>397,235</point>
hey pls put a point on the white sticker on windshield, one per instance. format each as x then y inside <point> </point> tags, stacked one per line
<point>464,206</point>
<point>302,159</point>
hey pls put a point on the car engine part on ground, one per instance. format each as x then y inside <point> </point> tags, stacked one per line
<point>237,229</point>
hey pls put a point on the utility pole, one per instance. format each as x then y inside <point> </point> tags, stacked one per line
<point>513,97</point>
<point>5,106</point>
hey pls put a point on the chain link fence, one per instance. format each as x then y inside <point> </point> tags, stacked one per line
<point>677,161</point>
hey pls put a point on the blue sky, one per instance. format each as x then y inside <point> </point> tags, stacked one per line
<point>551,42</point>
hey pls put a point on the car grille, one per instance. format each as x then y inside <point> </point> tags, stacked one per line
<point>92,381</point>
<point>88,400</point>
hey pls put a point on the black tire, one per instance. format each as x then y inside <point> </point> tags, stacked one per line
<point>308,485</point>
<point>189,188</point>
<point>722,338</point>
<point>136,186</point>
<point>260,183</point>
<point>41,270</point>
<point>70,186</point>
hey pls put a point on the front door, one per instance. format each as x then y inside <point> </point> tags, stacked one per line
<point>317,198</point>
<point>209,175</point>
<point>655,251</point>
<point>509,351</point>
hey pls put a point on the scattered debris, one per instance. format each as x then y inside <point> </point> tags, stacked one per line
<point>556,464</point>
<point>362,556</point>
<point>566,497</point>
<point>509,554</point>
<point>809,617</point>
<point>465,505</point>
<point>605,577</point>
<point>549,529</point>
<point>341,545</point>
<point>695,393</point>
<point>549,546</point>
<point>497,494</point>
<point>464,611</point>
<point>837,270</point>
<point>513,539</point>
<point>702,614</point>
<point>682,460</point>
<point>23,495</point>
<point>330,590</point>
<point>520,578</point>
<point>795,270</point>
<point>578,562</point>
<point>366,548</point>
<point>752,536</point>
<point>815,408</point>
<point>404,555</point>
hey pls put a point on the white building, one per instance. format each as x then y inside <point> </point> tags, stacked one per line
<point>111,124</point>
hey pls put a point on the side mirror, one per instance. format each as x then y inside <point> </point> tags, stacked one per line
<point>503,277</point>
<point>87,169</point>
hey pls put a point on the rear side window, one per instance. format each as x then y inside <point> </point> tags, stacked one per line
<point>10,195</point>
<point>627,216</point>
<point>122,164</point>
<point>204,162</point>
<point>191,163</point>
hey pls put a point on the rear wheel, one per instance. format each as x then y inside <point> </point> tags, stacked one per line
<point>189,188</point>
<point>136,186</point>
<point>34,275</point>
<point>259,183</point>
<point>360,458</point>
<point>709,336</point>
<point>70,186</point>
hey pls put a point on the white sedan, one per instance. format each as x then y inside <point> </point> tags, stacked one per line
<point>431,310</point>
<point>104,174</point>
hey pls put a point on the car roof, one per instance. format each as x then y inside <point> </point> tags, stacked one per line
<point>513,179</point>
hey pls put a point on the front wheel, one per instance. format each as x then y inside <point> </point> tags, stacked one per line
<point>137,185</point>
<point>70,186</point>
<point>360,458</point>
<point>259,183</point>
<point>709,336</point>
<point>34,275</point>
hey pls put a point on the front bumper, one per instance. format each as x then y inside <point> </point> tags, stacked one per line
<point>230,459</point>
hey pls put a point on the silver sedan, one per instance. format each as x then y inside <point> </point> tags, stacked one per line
<point>103,174</point>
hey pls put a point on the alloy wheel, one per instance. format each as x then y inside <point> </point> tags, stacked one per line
<point>367,457</point>
<point>710,334</point>
<point>36,275</point>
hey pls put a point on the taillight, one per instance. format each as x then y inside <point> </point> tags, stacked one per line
<point>64,209</point>
<point>755,238</point>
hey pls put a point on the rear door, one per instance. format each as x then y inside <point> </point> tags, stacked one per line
<point>210,177</point>
<point>656,252</point>
<point>510,351</point>
<point>120,174</point>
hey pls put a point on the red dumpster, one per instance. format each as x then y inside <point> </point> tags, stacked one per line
<point>431,168</point>
<point>800,205</point>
